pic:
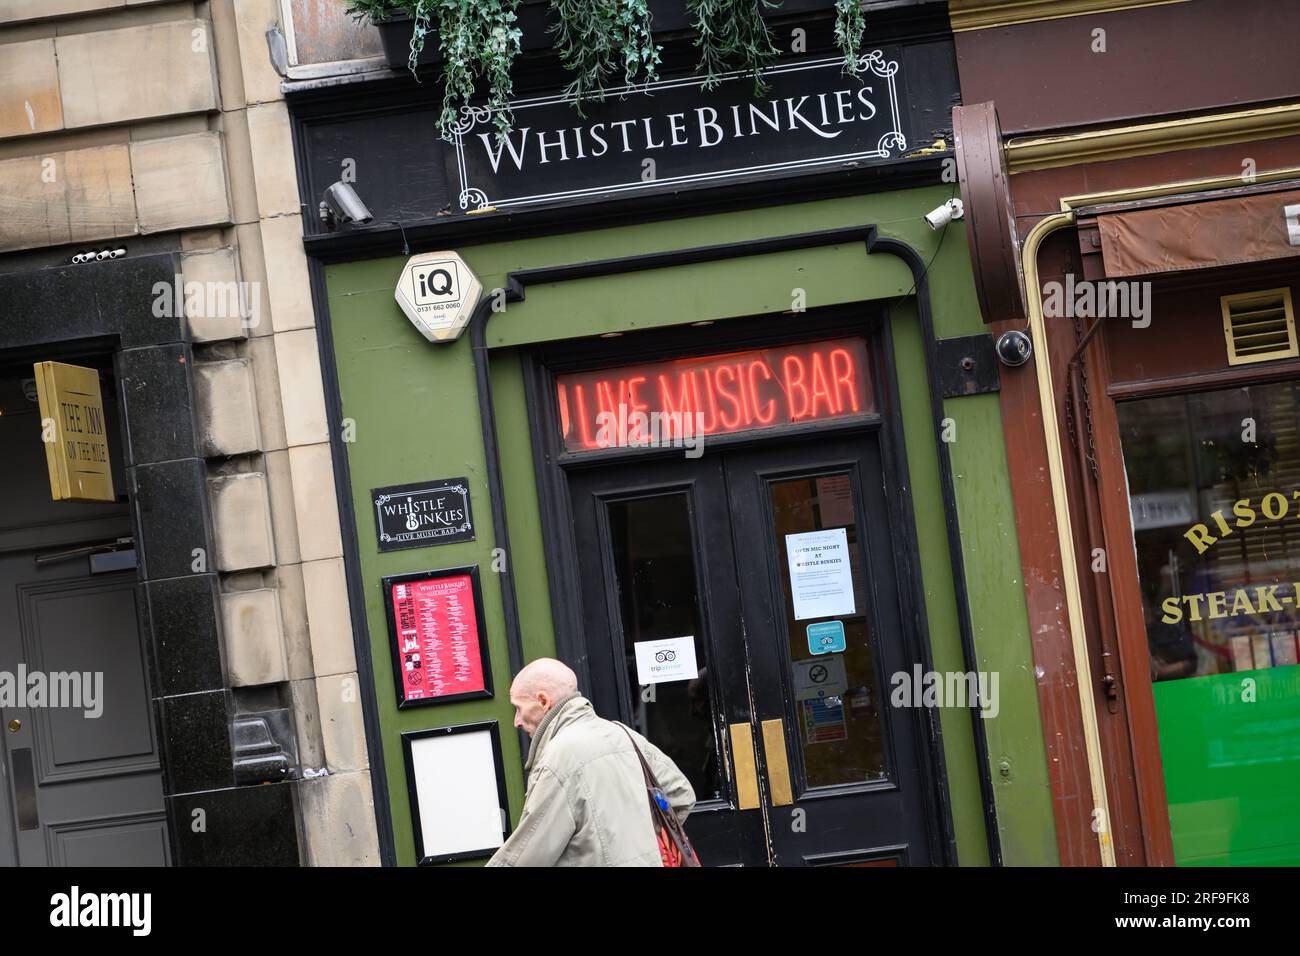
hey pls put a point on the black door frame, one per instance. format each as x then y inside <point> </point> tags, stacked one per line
<point>552,466</point>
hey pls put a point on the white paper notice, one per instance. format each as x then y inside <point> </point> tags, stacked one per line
<point>821,579</point>
<point>668,659</point>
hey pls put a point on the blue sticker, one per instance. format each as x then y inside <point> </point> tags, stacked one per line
<point>826,637</point>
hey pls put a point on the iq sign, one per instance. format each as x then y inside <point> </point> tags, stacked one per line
<point>438,293</point>
<point>435,283</point>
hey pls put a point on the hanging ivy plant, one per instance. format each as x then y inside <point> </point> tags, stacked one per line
<point>597,39</point>
<point>850,25</point>
<point>479,38</point>
<point>371,11</point>
<point>419,31</point>
<point>732,34</point>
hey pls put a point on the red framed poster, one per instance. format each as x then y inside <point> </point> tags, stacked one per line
<point>439,644</point>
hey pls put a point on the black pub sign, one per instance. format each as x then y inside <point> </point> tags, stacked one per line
<point>674,136</point>
<point>422,514</point>
<point>674,133</point>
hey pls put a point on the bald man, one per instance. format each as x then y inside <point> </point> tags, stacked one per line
<point>586,803</point>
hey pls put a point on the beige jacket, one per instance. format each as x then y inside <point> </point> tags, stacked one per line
<point>586,803</point>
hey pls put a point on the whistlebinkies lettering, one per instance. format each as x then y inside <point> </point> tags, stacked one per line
<point>811,117</point>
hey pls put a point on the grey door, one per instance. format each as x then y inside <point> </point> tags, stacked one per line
<point>79,786</point>
<point>83,782</point>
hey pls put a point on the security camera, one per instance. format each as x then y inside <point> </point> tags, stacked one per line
<point>342,205</point>
<point>1014,348</point>
<point>941,216</point>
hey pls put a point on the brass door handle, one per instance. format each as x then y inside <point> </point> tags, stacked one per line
<point>778,765</point>
<point>15,725</point>
<point>746,770</point>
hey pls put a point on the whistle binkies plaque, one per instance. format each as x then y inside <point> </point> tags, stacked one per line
<point>422,514</point>
<point>435,624</point>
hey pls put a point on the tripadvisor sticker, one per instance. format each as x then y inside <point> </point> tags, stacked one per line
<point>827,637</point>
<point>668,659</point>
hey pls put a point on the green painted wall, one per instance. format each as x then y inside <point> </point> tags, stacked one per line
<point>390,377</point>
<point>992,555</point>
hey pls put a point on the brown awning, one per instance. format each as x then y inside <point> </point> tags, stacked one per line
<point>1197,235</point>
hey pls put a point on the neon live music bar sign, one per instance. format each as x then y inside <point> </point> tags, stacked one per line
<point>715,394</point>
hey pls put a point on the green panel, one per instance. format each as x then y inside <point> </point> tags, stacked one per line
<point>390,376</point>
<point>1230,745</point>
<point>1022,789</point>
<point>952,287</point>
<point>715,290</point>
<point>936,576</point>
<point>391,380</point>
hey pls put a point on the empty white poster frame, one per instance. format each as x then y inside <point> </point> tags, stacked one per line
<point>456,783</point>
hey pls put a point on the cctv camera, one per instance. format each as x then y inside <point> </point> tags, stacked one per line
<point>952,209</point>
<point>1014,348</point>
<point>342,205</point>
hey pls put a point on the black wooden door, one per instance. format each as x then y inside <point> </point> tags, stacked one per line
<point>794,664</point>
<point>654,546</point>
<point>844,774</point>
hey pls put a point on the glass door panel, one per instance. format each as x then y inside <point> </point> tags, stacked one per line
<point>816,535</point>
<point>828,636</point>
<point>658,587</point>
<point>653,555</point>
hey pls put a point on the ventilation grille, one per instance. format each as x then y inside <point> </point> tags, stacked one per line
<point>1259,326</point>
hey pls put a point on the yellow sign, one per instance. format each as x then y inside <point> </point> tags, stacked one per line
<point>1274,507</point>
<point>72,427</point>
